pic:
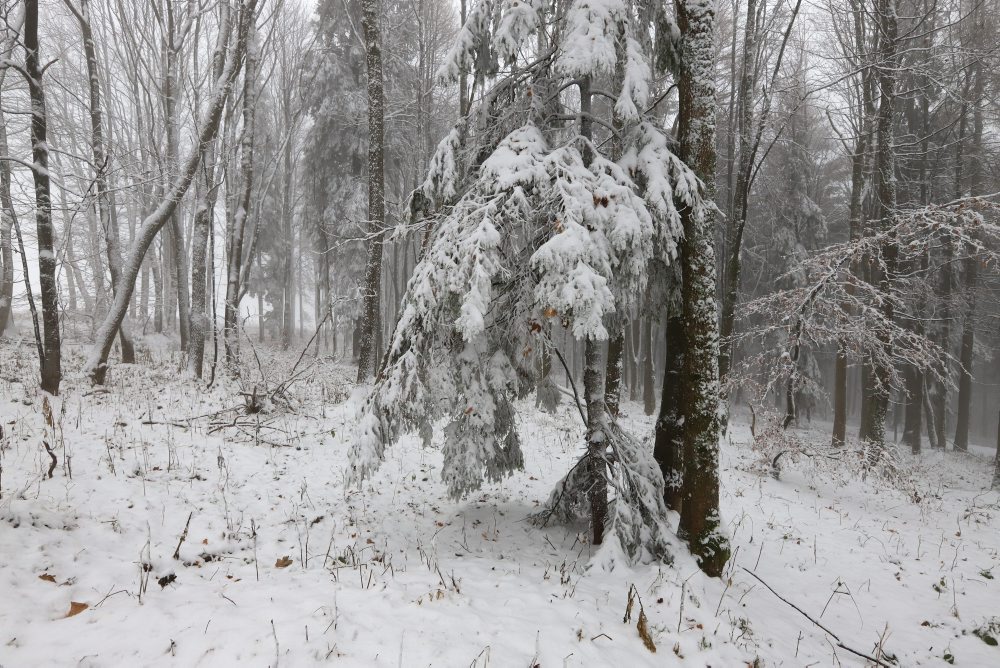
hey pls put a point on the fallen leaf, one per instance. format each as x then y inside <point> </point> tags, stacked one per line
<point>283,562</point>
<point>166,579</point>
<point>75,608</point>
<point>47,577</point>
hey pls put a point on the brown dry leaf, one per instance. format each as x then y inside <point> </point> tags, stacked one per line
<point>47,577</point>
<point>75,608</point>
<point>643,629</point>
<point>283,562</point>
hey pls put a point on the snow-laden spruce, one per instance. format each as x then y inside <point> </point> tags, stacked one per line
<point>536,226</point>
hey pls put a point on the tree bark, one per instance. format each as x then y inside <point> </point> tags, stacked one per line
<point>668,447</point>
<point>856,225</point>
<point>235,235</point>
<point>648,379</point>
<point>613,379</point>
<point>175,230</point>
<point>204,214</point>
<point>971,268</point>
<point>51,371</point>
<point>873,428</point>
<point>370,316</point>
<point>7,214</point>
<point>700,523</point>
<point>913,424</point>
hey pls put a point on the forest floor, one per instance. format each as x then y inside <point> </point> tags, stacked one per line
<point>277,563</point>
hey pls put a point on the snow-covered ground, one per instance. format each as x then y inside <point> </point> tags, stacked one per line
<point>280,564</point>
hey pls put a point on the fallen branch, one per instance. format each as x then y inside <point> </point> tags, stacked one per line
<point>805,614</point>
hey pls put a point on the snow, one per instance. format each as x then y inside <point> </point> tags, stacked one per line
<point>393,573</point>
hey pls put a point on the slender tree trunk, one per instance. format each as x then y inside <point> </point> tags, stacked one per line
<point>700,523</point>
<point>203,217</point>
<point>648,380</point>
<point>235,235</point>
<point>668,448</point>
<point>371,323</point>
<point>287,316</point>
<point>7,214</point>
<point>739,197</point>
<point>913,424</point>
<point>856,226</point>
<point>613,381</point>
<point>50,366</point>
<point>971,268</point>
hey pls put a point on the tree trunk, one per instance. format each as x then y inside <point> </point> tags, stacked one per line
<point>873,427</point>
<point>51,371</point>
<point>7,214</point>
<point>204,214</point>
<point>971,270</point>
<point>370,316</point>
<point>913,424</point>
<point>288,303</point>
<point>856,226</point>
<point>613,379</point>
<point>700,523</point>
<point>234,235</point>
<point>96,366</point>
<point>648,380</point>
<point>593,381</point>
<point>668,448</point>
<point>739,197</point>
<point>966,356</point>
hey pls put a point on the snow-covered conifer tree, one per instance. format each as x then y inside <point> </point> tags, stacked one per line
<point>536,225</point>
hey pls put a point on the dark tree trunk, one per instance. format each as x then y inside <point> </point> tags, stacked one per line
<point>370,315</point>
<point>668,449</point>
<point>873,426</point>
<point>648,380</point>
<point>613,381</point>
<point>971,268</point>
<point>856,225</point>
<point>913,424</point>
<point>700,523</point>
<point>966,356</point>
<point>51,371</point>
